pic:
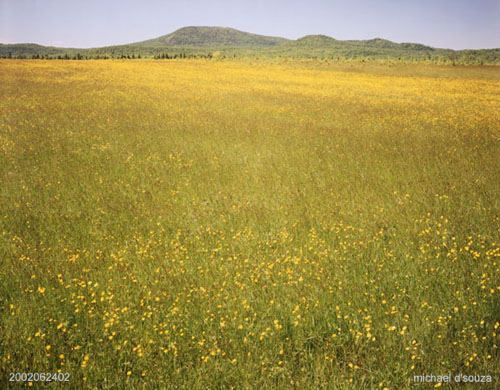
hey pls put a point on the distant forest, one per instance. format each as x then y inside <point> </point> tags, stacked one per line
<point>219,43</point>
<point>479,57</point>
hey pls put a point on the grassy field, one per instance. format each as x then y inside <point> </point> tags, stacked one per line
<point>249,224</point>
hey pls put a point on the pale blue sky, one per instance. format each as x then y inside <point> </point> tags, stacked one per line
<point>456,24</point>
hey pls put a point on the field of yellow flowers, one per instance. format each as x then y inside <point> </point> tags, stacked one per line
<point>248,224</point>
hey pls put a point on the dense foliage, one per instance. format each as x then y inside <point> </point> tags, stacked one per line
<point>203,42</point>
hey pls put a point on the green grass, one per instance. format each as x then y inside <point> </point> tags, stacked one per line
<point>200,224</point>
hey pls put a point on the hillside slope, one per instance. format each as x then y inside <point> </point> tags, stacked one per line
<point>204,41</point>
<point>211,37</point>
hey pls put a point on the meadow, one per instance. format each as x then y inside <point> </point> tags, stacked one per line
<point>274,224</point>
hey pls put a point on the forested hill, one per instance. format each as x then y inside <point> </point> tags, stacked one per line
<point>211,37</point>
<point>228,42</point>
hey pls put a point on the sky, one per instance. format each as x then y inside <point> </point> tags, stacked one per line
<point>455,24</point>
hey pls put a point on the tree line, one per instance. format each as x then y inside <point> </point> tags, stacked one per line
<point>78,56</point>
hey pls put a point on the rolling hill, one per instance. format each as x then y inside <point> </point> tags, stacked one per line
<point>28,49</point>
<point>313,40</point>
<point>211,37</point>
<point>204,41</point>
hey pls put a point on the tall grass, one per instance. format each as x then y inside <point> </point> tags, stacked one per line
<point>198,224</point>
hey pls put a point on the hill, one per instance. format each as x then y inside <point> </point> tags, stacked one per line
<point>211,37</point>
<point>313,40</point>
<point>204,41</point>
<point>377,43</point>
<point>29,49</point>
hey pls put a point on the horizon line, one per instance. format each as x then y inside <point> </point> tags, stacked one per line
<point>272,36</point>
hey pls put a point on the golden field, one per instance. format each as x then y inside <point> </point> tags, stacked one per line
<point>249,224</point>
